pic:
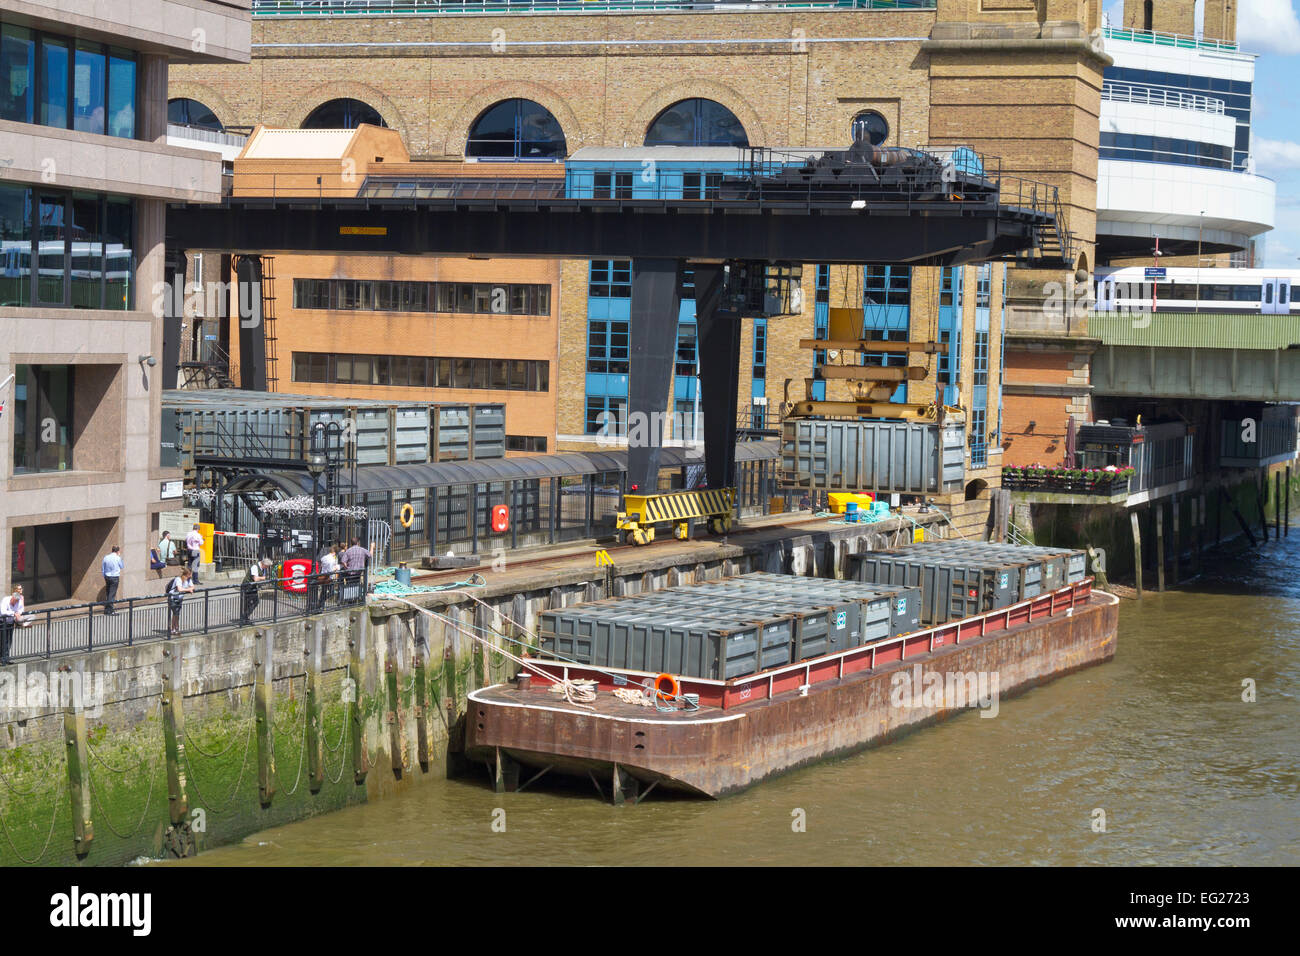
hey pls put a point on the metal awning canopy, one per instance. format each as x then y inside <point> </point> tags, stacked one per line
<point>382,478</point>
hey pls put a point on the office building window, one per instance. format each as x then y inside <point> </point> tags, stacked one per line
<point>41,561</point>
<point>408,371</point>
<point>471,298</point>
<point>607,347</point>
<point>981,359</point>
<point>42,418</point>
<point>760,350</point>
<point>532,443</point>
<point>612,186</point>
<point>610,279</point>
<point>604,413</point>
<point>55,81</point>
<point>888,285</point>
<point>82,244</point>
<point>984,285</point>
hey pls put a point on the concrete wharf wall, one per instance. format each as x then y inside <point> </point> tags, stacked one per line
<point>178,746</point>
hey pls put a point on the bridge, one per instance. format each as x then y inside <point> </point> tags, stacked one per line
<point>1183,355</point>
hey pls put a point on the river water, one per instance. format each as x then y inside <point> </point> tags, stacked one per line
<point>1159,739</point>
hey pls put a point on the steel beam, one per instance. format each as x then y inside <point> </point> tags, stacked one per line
<point>652,353</point>
<point>718,360</point>
<point>897,410</point>
<point>873,345</point>
<point>874,373</point>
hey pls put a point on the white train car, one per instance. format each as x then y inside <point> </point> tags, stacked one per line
<point>1138,288</point>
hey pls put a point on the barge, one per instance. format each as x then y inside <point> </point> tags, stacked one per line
<point>751,727</point>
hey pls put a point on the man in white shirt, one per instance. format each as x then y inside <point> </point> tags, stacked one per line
<point>194,542</point>
<point>11,615</point>
<point>112,577</point>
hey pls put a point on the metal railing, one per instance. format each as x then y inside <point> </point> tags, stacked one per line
<point>327,8</point>
<point>1160,96</point>
<point>205,135</point>
<point>82,628</point>
<point>1168,39</point>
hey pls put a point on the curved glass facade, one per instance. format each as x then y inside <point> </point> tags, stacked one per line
<point>1162,149</point>
<point>1236,96</point>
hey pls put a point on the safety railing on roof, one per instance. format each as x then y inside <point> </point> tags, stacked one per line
<point>1160,96</point>
<point>272,8</point>
<point>1168,39</point>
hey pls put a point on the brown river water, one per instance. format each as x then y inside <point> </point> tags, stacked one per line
<point>1159,739</point>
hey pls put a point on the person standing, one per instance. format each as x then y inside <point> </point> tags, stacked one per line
<point>11,616</point>
<point>112,567</point>
<point>354,561</point>
<point>166,548</point>
<point>177,588</point>
<point>253,577</point>
<point>194,543</point>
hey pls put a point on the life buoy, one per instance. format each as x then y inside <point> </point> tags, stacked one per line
<point>673,692</point>
<point>407,515</point>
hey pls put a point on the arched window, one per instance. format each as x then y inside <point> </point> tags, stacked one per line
<point>976,488</point>
<point>696,123</point>
<point>870,127</point>
<point>184,112</point>
<point>342,114</point>
<point>516,129</point>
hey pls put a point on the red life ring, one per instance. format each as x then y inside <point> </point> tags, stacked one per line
<point>673,692</point>
<point>294,573</point>
<point>500,519</point>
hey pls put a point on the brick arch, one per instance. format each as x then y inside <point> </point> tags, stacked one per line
<point>457,132</point>
<point>301,108</point>
<point>207,95</point>
<point>658,101</point>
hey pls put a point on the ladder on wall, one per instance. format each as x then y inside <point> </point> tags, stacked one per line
<point>268,323</point>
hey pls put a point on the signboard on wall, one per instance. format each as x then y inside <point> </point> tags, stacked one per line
<point>172,489</point>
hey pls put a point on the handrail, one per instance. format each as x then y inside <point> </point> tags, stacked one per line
<point>83,628</point>
<point>1168,39</point>
<point>1160,96</point>
<point>329,8</point>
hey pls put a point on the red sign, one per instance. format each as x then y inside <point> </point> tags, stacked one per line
<point>500,519</point>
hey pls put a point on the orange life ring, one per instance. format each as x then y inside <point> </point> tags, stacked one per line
<point>674,691</point>
<point>407,515</point>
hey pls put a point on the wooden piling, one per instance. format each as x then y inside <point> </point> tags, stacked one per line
<point>1277,504</point>
<point>1137,550</point>
<point>1261,492</point>
<point>1160,546</point>
<point>1174,507</point>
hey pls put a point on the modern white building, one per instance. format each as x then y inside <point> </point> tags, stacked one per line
<point>1175,167</point>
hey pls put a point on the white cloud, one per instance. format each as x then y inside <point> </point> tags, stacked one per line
<point>1276,154</point>
<point>1268,26</point>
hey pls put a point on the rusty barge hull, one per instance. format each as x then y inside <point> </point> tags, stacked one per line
<point>806,713</point>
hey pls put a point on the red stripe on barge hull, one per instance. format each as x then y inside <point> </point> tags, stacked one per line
<point>741,735</point>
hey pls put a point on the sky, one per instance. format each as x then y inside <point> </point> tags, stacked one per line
<point>1271,29</point>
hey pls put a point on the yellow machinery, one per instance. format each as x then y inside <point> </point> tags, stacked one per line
<point>637,523</point>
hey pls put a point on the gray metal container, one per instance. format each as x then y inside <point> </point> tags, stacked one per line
<point>951,588</point>
<point>902,603</point>
<point>877,457</point>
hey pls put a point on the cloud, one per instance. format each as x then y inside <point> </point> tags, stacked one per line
<point>1276,154</point>
<point>1268,26</point>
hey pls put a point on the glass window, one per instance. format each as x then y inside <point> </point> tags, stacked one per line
<point>696,122</point>
<point>516,129</point>
<point>17,74</point>
<point>42,418</point>
<point>41,558</point>
<point>184,112</point>
<point>54,82</point>
<point>16,242</point>
<point>342,114</point>
<point>119,254</point>
<point>870,127</point>
<point>87,252</point>
<point>52,251</point>
<point>88,80</point>
<point>121,96</point>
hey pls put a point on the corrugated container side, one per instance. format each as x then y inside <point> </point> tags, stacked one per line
<point>877,457</point>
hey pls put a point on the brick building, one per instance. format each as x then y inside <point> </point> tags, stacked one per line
<point>1019,80</point>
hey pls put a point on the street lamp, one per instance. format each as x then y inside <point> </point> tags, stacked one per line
<point>315,467</point>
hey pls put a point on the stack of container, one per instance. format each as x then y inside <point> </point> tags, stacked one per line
<point>725,629</point>
<point>961,578</point>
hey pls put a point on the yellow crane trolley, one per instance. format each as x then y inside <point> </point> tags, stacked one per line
<point>642,513</point>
